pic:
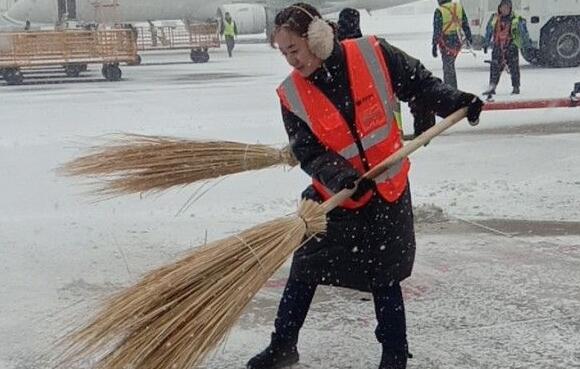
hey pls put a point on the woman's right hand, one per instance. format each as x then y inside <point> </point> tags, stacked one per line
<point>364,186</point>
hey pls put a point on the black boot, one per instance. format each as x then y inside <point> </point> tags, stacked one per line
<point>516,90</point>
<point>393,359</point>
<point>276,356</point>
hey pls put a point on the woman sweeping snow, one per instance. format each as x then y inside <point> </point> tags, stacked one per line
<point>338,110</point>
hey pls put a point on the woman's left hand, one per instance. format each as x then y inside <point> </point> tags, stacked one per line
<point>474,105</point>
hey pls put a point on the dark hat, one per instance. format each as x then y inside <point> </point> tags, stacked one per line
<point>349,24</point>
<point>349,15</point>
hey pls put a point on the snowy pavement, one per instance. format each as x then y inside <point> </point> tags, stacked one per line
<point>497,278</point>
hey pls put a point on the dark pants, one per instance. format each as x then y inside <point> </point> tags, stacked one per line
<point>391,330</point>
<point>449,75</point>
<point>500,58</point>
<point>230,43</point>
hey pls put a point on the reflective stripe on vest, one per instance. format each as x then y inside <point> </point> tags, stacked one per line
<point>374,66</point>
<point>375,114</point>
<point>399,116</point>
<point>390,172</point>
<point>452,14</point>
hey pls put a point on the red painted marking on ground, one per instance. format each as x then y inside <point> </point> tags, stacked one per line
<point>414,291</point>
<point>276,283</point>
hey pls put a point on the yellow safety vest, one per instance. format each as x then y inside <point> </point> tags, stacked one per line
<point>398,115</point>
<point>452,14</point>
<point>229,28</point>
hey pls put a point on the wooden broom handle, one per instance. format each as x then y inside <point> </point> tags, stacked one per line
<point>400,154</point>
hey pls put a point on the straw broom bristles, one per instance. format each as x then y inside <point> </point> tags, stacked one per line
<point>175,316</point>
<point>179,313</point>
<point>138,163</point>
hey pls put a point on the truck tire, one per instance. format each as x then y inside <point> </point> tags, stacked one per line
<point>533,56</point>
<point>561,43</point>
<point>112,72</point>
<point>73,70</point>
<point>199,55</point>
<point>13,76</point>
<point>138,61</point>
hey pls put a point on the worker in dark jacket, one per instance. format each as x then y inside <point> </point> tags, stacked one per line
<point>506,32</point>
<point>340,127</point>
<point>450,30</point>
<point>348,24</point>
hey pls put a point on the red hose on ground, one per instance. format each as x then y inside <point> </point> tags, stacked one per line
<point>532,104</point>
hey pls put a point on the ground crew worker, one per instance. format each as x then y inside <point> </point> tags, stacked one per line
<point>339,127</point>
<point>229,30</point>
<point>450,29</point>
<point>506,32</point>
<point>348,24</point>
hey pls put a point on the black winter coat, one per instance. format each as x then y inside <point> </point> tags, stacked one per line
<point>369,247</point>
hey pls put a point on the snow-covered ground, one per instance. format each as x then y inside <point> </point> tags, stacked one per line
<point>507,296</point>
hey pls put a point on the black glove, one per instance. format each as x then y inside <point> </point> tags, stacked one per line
<point>434,51</point>
<point>364,186</point>
<point>474,106</point>
<point>485,49</point>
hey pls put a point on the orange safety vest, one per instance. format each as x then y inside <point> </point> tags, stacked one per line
<point>375,105</point>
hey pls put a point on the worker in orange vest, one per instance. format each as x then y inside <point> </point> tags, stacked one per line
<point>338,111</point>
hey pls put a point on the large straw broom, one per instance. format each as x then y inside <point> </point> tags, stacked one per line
<point>138,163</point>
<point>176,315</point>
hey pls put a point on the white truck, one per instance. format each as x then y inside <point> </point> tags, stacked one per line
<point>553,25</point>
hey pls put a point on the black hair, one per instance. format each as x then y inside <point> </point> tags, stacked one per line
<point>505,2</point>
<point>295,18</point>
